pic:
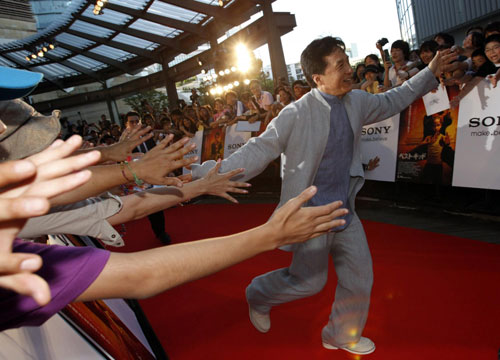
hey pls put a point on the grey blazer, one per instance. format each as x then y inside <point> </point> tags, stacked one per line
<point>300,133</point>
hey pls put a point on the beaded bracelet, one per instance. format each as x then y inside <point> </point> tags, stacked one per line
<point>122,167</point>
<point>137,181</point>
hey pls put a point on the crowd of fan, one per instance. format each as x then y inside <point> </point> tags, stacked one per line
<point>186,120</point>
<point>479,57</point>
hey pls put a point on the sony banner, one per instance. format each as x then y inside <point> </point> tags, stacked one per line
<point>477,161</point>
<point>379,144</point>
<point>234,140</point>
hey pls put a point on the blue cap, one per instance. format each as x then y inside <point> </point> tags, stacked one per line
<point>15,83</point>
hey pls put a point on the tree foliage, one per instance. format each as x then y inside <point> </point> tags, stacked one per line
<point>157,99</point>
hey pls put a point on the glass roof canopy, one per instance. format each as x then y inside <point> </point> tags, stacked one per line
<point>127,36</point>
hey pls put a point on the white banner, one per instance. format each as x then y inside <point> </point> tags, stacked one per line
<point>198,140</point>
<point>436,100</point>
<point>477,154</point>
<point>379,144</point>
<point>246,126</point>
<point>234,140</point>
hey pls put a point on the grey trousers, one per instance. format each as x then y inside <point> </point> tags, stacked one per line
<point>307,275</point>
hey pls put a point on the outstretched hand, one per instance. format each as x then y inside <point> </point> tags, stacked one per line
<point>217,184</point>
<point>157,163</point>
<point>442,61</point>
<point>129,140</point>
<point>294,223</point>
<point>25,189</point>
<point>54,172</point>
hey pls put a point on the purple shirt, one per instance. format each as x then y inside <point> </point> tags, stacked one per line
<point>69,271</point>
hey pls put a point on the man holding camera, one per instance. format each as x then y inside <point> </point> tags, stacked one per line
<point>327,122</point>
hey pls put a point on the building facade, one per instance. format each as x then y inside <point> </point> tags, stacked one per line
<point>16,20</point>
<point>420,20</point>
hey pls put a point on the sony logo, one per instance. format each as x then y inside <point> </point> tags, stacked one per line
<point>486,121</point>
<point>376,130</point>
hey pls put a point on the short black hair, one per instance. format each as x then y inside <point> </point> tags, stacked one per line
<point>448,39</point>
<point>492,38</point>
<point>132,113</point>
<point>429,45</point>
<point>299,82</point>
<point>477,40</point>
<point>492,26</point>
<point>373,57</point>
<point>478,52</point>
<point>312,59</point>
<point>475,27</point>
<point>402,45</point>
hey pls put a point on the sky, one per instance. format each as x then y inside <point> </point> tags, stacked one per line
<point>362,22</point>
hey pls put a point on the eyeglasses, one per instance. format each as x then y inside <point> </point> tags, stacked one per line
<point>491,49</point>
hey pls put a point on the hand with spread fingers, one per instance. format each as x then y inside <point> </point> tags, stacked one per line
<point>56,173</point>
<point>25,187</point>
<point>129,140</point>
<point>157,163</point>
<point>293,223</point>
<point>217,184</point>
<point>443,62</point>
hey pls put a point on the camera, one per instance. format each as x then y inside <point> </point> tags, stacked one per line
<point>382,41</point>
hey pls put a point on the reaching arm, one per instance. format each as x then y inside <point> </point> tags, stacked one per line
<point>258,152</point>
<point>469,85</point>
<point>382,106</point>
<point>25,187</point>
<point>129,140</point>
<point>141,204</point>
<point>153,168</point>
<point>147,273</point>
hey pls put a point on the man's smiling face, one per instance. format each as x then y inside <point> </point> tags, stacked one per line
<point>337,77</point>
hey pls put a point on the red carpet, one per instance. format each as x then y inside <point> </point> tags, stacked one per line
<point>434,297</point>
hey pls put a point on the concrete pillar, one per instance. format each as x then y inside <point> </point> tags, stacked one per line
<point>169,86</point>
<point>110,110</point>
<point>276,55</point>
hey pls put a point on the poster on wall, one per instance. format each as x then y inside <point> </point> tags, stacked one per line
<point>198,141</point>
<point>234,140</point>
<point>379,144</point>
<point>213,144</point>
<point>477,162</point>
<point>426,145</point>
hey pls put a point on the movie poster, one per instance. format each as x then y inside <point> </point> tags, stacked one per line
<point>101,326</point>
<point>213,144</point>
<point>234,140</point>
<point>426,146</point>
<point>477,162</point>
<point>379,145</point>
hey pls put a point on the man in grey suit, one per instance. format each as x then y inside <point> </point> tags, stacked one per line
<point>319,137</point>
